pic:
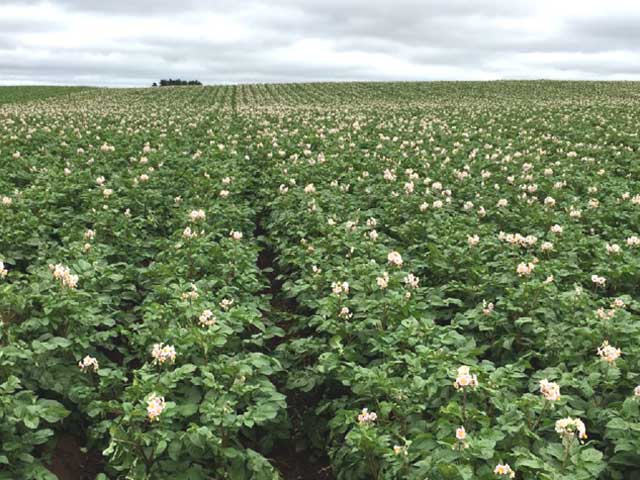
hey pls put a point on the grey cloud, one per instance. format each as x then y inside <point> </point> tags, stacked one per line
<point>135,7</point>
<point>595,66</point>
<point>403,39</point>
<point>21,25</point>
<point>217,70</point>
<point>616,31</point>
<point>412,23</point>
<point>6,42</point>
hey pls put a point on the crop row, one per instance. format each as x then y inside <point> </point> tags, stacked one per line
<point>467,289</point>
<point>130,304</point>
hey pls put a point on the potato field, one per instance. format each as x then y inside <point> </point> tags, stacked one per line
<point>350,281</point>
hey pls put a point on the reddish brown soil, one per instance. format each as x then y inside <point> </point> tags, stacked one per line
<point>69,462</point>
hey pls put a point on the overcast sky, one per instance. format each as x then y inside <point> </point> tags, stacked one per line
<point>134,42</point>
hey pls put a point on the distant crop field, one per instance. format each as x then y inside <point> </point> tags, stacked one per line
<point>25,94</point>
<point>323,281</point>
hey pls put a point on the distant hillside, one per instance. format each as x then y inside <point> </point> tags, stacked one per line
<point>27,93</point>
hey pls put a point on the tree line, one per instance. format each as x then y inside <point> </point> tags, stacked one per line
<point>173,82</point>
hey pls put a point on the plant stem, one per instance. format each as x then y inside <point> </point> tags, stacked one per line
<point>544,407</point>
<point>464,406</point>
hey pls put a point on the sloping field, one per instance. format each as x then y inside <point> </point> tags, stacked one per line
<point>26,94</point>
<point>317,281</point>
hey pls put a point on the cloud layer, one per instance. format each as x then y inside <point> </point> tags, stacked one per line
<point>135,42</point>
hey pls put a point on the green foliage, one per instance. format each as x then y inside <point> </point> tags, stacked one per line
<point>25,423</point>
